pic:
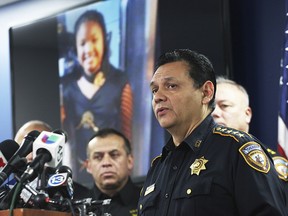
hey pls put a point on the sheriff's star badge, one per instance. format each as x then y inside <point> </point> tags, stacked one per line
<point>198,165</point>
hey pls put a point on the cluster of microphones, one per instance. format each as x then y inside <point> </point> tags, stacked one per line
<point>42,183</point>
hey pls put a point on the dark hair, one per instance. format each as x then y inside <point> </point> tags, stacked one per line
<point>95,16</point>
<point>200,67</point>
<point>110,131</point>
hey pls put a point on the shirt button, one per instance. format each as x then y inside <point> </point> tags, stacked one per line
<point>175,167</point>
<point>166,195</point>
<point>189,191</point>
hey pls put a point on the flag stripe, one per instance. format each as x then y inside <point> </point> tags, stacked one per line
<point>282,138</point>
<point>283,108</point>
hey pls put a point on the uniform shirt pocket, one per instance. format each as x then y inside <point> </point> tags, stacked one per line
<point>194,188</point>
<point>192,197</point>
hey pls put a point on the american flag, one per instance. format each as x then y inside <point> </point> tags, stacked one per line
<point>283,109</point>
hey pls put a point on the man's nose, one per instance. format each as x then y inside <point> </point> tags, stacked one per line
<point>216,112</point>
<point>106,161</point>
<point>159,96</point>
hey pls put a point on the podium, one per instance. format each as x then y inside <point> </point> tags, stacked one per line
<point>33,212</point>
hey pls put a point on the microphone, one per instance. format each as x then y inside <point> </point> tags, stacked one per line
<point>23,151</point>
<point>53,142</point>
<point>11,152</point>
<point>7,150</point>
<point>47,150</point>
<point>61,184</point>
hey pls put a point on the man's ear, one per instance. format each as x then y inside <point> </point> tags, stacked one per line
<point>130,162</point>
<point>87,165</point>
<point>208,92</point>
<point>248,114</point>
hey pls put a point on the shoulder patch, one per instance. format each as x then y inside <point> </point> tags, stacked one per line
<point>255,157</point>
<point>230,132</point>
<point>156,158</point>
<point>281,166</point>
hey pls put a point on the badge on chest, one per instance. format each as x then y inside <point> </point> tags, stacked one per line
<point>198,165</point>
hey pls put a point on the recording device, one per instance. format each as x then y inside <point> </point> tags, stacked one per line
<point>60,185</point>
<point>47,150</point>
<point>18,156</point>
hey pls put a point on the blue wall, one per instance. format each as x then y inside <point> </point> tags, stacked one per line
<point>258,39</point>
<point>255,33</point>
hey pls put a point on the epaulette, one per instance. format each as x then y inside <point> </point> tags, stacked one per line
<point>156,158</point>
<point>239,136</point>
<point>250,148</point>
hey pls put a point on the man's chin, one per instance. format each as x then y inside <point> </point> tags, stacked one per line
<point>109,180</point>
<point>111,185</point>
<point>165,124</point>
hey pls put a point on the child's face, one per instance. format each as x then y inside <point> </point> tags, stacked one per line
<point>90,46</point>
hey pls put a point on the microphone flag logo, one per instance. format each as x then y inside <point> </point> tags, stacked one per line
<point>50,139</point>
<point>57,179</point>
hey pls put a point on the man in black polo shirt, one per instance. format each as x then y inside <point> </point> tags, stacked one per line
<point>110,162</point>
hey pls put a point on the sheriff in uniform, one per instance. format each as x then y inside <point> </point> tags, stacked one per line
<point>215,171</point>
<point>205,169</point>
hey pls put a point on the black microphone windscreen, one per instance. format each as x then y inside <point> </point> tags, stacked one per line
<point>32,134</point>
<point>8,148</point>
<point>27,143</point>
<point>13,163</point>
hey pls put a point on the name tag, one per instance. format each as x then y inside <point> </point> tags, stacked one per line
<point>149,189</point>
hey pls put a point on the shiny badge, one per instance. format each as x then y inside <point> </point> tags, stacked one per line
<point>198,166</point>
<point>281,166</point>
<point>149,189</point>
<point>255,157</point>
